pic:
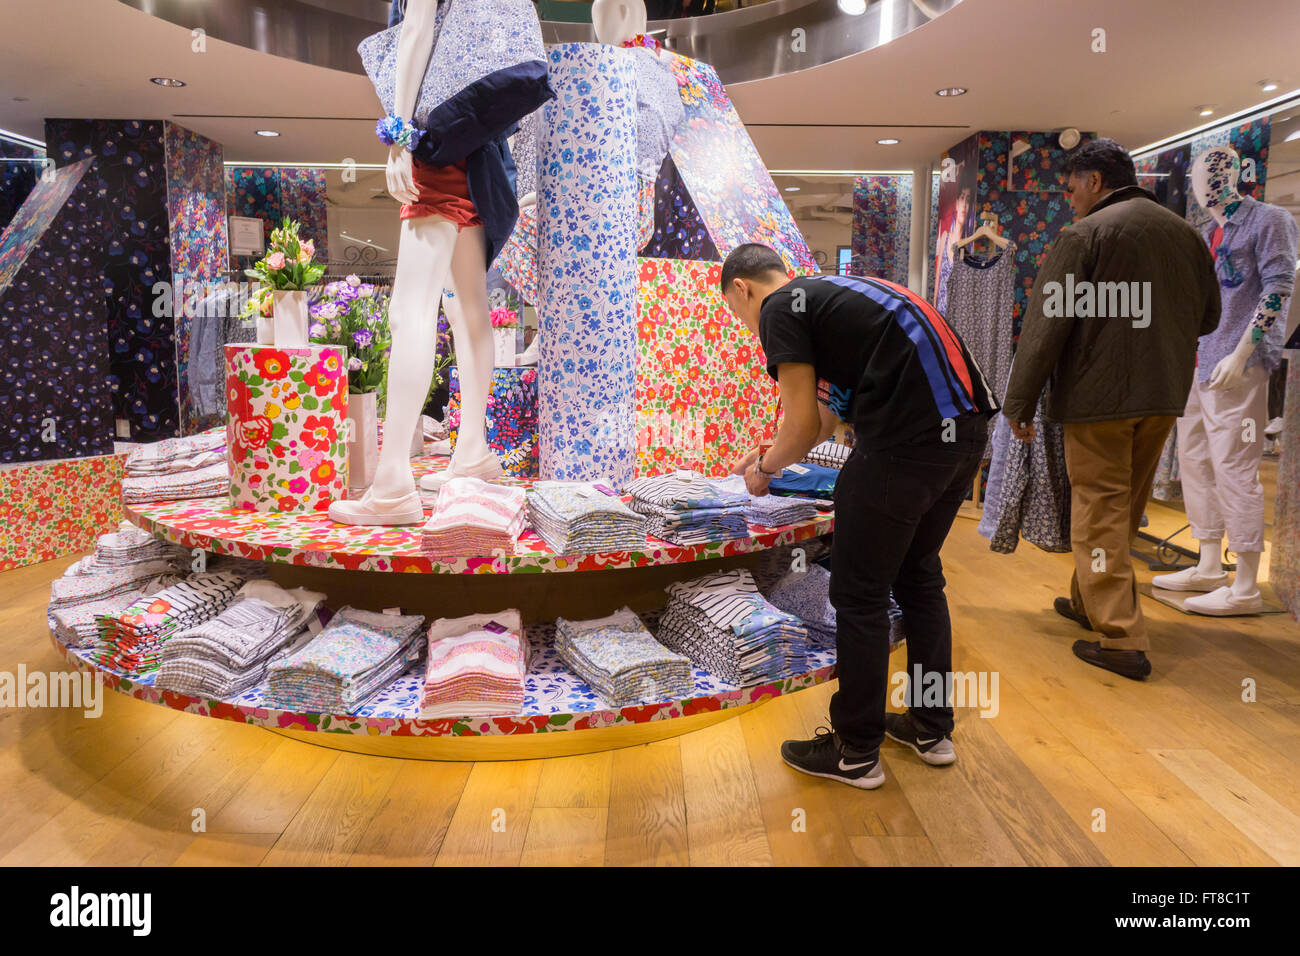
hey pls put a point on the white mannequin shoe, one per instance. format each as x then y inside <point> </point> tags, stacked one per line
<point>441,447</point>
<point>1224,602</point>
<point>1190,579</point>
<point>488,469</point>
<point>370,510</point>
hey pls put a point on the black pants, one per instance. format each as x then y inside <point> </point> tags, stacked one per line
<point>893,510</point>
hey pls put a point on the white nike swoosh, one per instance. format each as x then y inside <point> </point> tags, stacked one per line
<point>854,766</point>
<point>926,743</point>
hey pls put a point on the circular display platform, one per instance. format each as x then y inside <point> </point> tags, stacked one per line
<point>555,700</point>
<point>311,539</point>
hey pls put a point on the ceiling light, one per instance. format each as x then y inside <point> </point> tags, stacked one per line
<point>792,189</point>
<point>267,132</point>
<point>1206,110</point>
<point>887,142</point>
<point>854,8</point>
<point>1293,137</point>
<point>1268,86</point>
<point>166,81</point>
<point>951,91</point>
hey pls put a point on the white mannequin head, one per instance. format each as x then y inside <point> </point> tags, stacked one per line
<point>1214,177</point>
<point>617,21</point>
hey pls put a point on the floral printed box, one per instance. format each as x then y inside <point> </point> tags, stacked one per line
<point>286,427</point>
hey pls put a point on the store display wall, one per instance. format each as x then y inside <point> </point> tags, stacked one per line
<point>130,186</point>
<point>52,509</point>
<point>679,231</point>
<point>55,400</point>
<point>586,295</point>
<point>1284,559</point>
<point>704,398</point>
<point>882,226</point>
<point>17,176</point>
<point>511,418</point>
<point>1251,141</point>
<point>270,193</point>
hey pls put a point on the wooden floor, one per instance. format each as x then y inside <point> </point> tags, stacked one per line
<point>1077,767</point>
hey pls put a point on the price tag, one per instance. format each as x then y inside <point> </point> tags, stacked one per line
<point>396,611</point>
<point>683,474</point>
<point>797,469</point>
<point>495,628</point>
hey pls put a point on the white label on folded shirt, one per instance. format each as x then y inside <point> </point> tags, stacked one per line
<point>314,625</point>
<point>393,610</point>
<point>583,491</point>
<point>683,473</point>
<point>797,469</point>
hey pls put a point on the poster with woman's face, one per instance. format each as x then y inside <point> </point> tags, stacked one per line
<point>957,183</point>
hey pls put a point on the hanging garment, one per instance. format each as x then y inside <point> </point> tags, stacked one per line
<point>981,296</point>
<point>1028,491</point>
<point>1168,485</point>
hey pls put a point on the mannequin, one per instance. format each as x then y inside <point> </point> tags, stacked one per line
<point>442,246</point>
<point>617,21</point>
<point>1221,434</point>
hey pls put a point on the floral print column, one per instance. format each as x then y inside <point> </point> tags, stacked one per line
<point>587,223</point>
<point>286,429</point>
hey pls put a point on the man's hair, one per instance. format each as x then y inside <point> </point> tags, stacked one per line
<point>1106,157</point>
<point>750,261</point>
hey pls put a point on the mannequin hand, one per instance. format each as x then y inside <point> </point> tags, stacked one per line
<point>529,200</point>
<point>1230,371</point>
<point>400,175</point>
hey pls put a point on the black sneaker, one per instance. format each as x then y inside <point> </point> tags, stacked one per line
<point>1065,607</point>
<point>1131,664</point>
<point>937,751</point>
<point>826,756</point>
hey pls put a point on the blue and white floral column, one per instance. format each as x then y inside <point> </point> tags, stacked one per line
<point>586,285</point>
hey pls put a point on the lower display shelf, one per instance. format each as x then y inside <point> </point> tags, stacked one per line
<point>556,700</point>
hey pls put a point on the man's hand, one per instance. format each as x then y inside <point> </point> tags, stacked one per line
<point>742,464</point>
<point>1023,432</point>
<point>755,481</point>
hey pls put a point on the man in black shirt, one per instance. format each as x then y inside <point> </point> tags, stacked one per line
<point>880,358</point>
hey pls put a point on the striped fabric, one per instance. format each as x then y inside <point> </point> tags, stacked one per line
<point>472,517</point>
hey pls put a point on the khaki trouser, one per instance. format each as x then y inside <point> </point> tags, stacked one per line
<point>1112,466</point>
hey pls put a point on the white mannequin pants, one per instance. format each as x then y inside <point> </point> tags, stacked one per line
<point>1220,443</point>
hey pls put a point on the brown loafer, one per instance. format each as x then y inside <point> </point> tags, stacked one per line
<point>1131,664</point>
<point>1065,607</point>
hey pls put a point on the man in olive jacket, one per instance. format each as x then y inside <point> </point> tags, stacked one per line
<point>1113,321</point>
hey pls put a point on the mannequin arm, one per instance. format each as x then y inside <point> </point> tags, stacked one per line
<point>414,48</point>
<point>1228,373</point>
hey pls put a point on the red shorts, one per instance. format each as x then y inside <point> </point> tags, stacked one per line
<point>443,191</point>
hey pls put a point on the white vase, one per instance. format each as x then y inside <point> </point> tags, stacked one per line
<point>503,347</point>
<point>265,330</point>
<point>363,440</point>
<point>290,315</point>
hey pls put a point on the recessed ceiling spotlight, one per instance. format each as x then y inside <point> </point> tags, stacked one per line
<point>951,91</point>
<point>267,132</point>
<point>887,142</point>
<point>166,81</point>
<point>854,8</point>
<point>792,189</point>
<point>1205,110</point>
<point>1268,86</point>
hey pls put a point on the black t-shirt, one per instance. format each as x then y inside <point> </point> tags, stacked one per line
<point>886,361</point>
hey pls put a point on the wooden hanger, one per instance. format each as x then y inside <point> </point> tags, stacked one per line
<point>988,230</point>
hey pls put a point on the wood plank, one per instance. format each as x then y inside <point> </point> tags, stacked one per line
<point>581,781</point>
<point>895,851</point>
<point>647,809</point>
<point>330,824</point>
<point>273,795</point>
<point>724,820</point>
<point>490,824</point>
<point>565,836</point>
<point>800,813</point>
<point>411,822</point>
<point>1271,826</point>
<point>227,849</point>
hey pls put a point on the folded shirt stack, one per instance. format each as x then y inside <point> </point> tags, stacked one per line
<point>229,654</point>
<point>77,625</point>
<point>622,661</point>
<point>208,482</point>
<point>805,481</point>
<point>173,455</point>
<point>74,589</point>
<point>687,509</point>
<point>128,546</point>
<point>476,668</point>
<point>829,454</point>
<point>358,654</point>
<point>131,642</point>
<point>723,624</point>
<point>770,511</point>
<point>807,595</point>
<point>472,517</point>
<point>577,518</point>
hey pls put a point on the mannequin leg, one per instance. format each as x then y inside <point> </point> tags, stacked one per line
<point>471,331</point>
<point>1246,583</point>
<point>423,258</point>
<point>1210,561</point>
